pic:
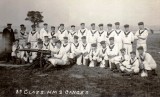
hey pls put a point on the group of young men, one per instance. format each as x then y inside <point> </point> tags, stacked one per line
<point>111,49</point>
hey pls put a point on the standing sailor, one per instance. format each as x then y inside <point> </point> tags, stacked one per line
<point>53,32</point>
<point>128,39</point>
<point>33,36</point>
<point>110,33</point>
<point>71,34</point>
<point>141,36</point>
<point>62,32</point>
<point>92,34</point>
<point>82,32</point>
<point>118,36</point>
<point>22,36</point>
<point>44,32</point>
<point>101,35</point>
<point>8,39</point>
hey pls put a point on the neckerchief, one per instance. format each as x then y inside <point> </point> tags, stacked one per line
<point>142,58</point>
<point>62,31</point>
<point>33,32</point>
<point>122,59</point>
<point>73,33</point>
<point>52,33</point>
<point>100,33</point>
<point>46,45</point>
<point>83,32</point>
<point>76,45</point>
<point>140,32</point>
<point>109,33</point>
<point>111,47</point>
<point>93,32</point>
<point>126,34</point>
<point>64,45</point>
<point>104,50</point>
<point>118,32</point>
<point>84,46</point>
<point>22,33</point>
<point>131,63</point>
<point>29,53</point>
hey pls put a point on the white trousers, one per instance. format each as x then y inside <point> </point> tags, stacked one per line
<point>128,48</point>
<point>55,61</point>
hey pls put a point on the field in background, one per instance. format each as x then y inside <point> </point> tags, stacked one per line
<point>98,82</point>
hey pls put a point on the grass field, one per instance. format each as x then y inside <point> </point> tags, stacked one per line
<point>96,82</point>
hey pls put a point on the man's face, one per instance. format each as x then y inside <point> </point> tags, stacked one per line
<point>123,53</point>
<point>40,46</point>
<point>93,48</point>
<point>140,52</point>
<point>141,27</point>
<point>101,27</point>
<point>16,42</point>
<point>133,56</point>
<point>109,28</point>
<point>75,40</point>
<point>73,28</point>
<point>46,39</point>
<point>127,29</point>
<point>84,40</point>
<point>52,29</point>
<point>9,26</point>
<point>103,45</point>
<point>58,45</point>
<point>117,26</point>
<point>65,40</point>
<point>45,26</point>
<point>29,46</point>
<point>33,28</point>
<point>111,41</point>
<point>61,27</point>
<point>82,26</point>
<point>93,27</point>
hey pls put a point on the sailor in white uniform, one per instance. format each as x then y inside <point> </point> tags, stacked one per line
<point>60,58</point>
<point>76,51</point>
<point>62,32</point>
<point>72,33</point>
<point>22,35</point>
<point>101,35</point>
<point>110,33</point>
<point>92,34</point>
<point>33,36</point>
<point>66,46</point>
<point>112,51</point>
<point>46,43</point>
<point>141,36</point>
<point>44,32</point>
<point>52,44</point>
<point>53,32</point>
<point>93,55</point>
<point>147,63</point>
<point>103,57</point>
<point>82,32</point>
<point>85,49</point>
<point>128,39</point>
<point>119,36</point>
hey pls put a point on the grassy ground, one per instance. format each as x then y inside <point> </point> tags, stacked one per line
<point>96,82</point>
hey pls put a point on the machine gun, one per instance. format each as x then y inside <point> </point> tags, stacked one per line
<point>40,53</point>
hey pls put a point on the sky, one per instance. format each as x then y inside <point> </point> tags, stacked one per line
<point>76,11</point>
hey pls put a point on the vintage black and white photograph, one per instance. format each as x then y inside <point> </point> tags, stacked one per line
<point>79,48</point>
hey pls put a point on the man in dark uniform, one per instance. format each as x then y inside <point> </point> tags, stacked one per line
<point>8,39</point>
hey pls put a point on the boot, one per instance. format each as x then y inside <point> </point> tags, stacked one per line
<point>107,63</point>
<point>86,62</point>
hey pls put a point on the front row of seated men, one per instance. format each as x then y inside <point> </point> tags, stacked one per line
<point>88,54</point>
